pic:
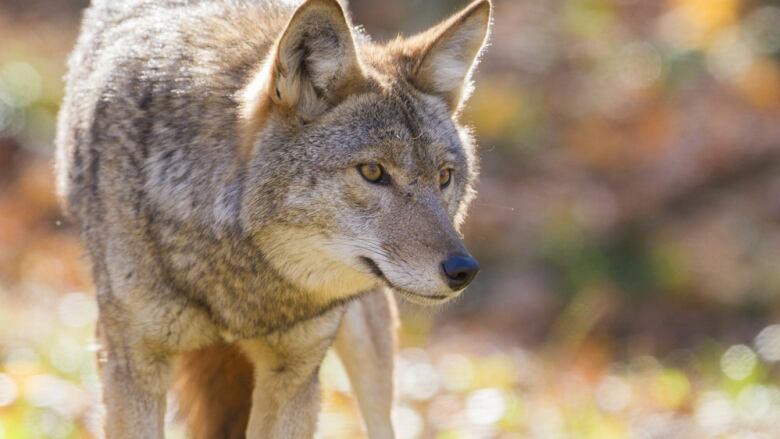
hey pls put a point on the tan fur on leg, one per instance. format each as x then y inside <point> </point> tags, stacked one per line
<point>285,401</point>
<point>135,381</point>
<point>366,344</point>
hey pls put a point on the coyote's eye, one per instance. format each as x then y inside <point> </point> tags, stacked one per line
<point>373,173</point>
<point>445,176</point>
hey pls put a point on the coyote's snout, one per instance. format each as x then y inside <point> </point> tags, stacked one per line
<point>252,180</point>
<point>427,267</point>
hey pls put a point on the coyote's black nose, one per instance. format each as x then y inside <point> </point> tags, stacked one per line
<point>459,270</point>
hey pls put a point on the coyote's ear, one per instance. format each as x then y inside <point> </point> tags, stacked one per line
<point>314,63</point>
<point>447,53</point>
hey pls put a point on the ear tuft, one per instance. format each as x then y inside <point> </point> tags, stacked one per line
<point>450,51</point>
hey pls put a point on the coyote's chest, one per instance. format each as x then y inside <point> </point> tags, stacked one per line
<point>228,275</point>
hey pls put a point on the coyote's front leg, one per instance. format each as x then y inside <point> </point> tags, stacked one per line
<point>140,339</point>
<point>134,382</point>
<point>366,344</point>
<point>285,400</point>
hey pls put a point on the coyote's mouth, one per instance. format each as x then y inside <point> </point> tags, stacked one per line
<point>414,297</point>
<point>375,270</point>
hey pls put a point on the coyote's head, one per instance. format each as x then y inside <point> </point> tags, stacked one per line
<point>359,173</point>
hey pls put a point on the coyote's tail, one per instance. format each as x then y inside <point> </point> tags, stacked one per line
<point>214,390</point>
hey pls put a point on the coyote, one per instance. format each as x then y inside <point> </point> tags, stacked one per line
<point>253,180</point>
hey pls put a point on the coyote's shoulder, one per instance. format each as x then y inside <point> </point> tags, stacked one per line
<point>179,63</point>
<point>249,178</point>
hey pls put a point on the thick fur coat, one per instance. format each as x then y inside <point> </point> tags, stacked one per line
<point>250,177</point>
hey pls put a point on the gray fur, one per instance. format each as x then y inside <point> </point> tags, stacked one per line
<point>190,240</point>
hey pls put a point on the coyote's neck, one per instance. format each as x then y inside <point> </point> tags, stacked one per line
<point>230,277</point>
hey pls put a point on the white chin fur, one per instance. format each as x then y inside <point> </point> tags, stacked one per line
<point>425,300</point>
<point>311,264</point>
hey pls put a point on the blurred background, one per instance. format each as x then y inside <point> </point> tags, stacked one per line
<point>627,226</point>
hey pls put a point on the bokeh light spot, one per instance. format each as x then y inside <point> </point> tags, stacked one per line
<point>713,413</point>
<point>457,372</point>
<point>671,388</point>
<point>729,56</point>
<point>8,390</point>
<point>738,362</point>
<point>419,380</point>
<point>613,394</point>
<point>485,407</point>
<point>77,310</point>
<point>21,82</point>
<point>67,355</point>
<point>768,343</point>
<point>408,423</point>
<point>754,402</point>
